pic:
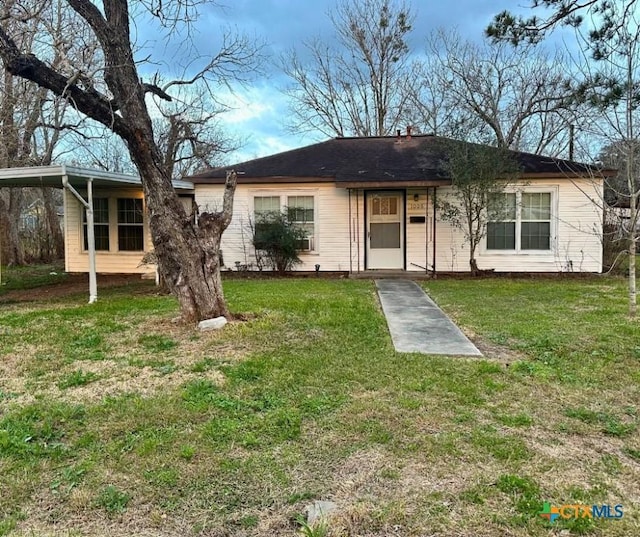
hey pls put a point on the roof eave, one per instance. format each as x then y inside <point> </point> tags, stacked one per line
<point>273,179</point>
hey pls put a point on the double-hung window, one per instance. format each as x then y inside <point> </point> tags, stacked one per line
<point>301,213</point>
<point>535,221</point>
<point>100,224</point>
<point>519,221</point>
<point>130,225</point>
<point>300,210</point>
<point>263,207</point>
<point>501,228</point>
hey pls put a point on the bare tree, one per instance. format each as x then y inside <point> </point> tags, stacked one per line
<point>32,120</point>
<point>358,87</point>
<point>432,110</point>
<point>103,150</point>
<point>115,95</point>
<point>611,83</point>
<point>190,136</point>
<point>187,130</point>
<point>510,97</point>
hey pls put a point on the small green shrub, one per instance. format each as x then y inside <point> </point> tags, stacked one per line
<point>277,240</point>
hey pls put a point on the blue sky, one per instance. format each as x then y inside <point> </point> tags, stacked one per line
<point>259,109</point>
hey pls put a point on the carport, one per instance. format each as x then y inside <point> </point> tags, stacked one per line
<point>73,179</point>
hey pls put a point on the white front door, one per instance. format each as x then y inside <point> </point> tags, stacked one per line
<point>385,234</point>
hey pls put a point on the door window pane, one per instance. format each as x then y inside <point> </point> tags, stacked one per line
<point>384,205</point>
<point>385,235</point>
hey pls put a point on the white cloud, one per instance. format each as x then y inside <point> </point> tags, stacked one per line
<point>247,105</point>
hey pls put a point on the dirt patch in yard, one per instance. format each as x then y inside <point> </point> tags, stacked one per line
<point>75,284</point>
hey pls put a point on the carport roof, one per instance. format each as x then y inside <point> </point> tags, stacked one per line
<point>39,176</point>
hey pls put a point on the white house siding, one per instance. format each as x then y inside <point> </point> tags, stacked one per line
<point>340,241</point>
<point>331,215</point>
<point>575,242</point>
<point>419,235</point>
<point>77,259</point>
<point>576,234</point>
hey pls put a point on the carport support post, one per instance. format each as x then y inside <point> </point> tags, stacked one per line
<point>91,242</point>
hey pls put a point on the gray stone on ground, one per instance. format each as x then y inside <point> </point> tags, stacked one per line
<point>319,510</point>
<point>212,324</point>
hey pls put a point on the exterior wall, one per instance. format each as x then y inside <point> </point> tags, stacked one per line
<point>576,233</point>
<point>419,236</point>
<point>77,258</point>
<point>341,235</point>
<point>331,212</point>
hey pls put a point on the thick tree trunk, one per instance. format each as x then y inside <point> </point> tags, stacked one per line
<point>53,223</point>
<point>188,254</point>
<point>12,252</point>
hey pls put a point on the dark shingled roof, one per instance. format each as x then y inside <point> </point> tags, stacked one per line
<point>371,160</point>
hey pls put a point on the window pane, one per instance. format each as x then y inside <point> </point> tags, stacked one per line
<point>130,238</point>
<point>300,208</point>
<point>100,211</point>
<point>130,211</point>
<point>303,202</point>
<point>502,206</point>
<point>536,206</point>
<point>266,204</point>
<point>101,234</point>
<point>535,236</point>
<point>501,236</point>
<point>261,233</point>
<point>384,205</point>
<point>375,206</point>
<point>385,235</point>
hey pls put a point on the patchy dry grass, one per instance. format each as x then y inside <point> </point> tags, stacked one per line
<point>115,420</point>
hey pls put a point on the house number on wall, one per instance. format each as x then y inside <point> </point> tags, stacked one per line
<point>417,207</point>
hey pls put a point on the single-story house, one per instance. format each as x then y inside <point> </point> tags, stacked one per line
<point>372,203</point>
<point>366,204</point>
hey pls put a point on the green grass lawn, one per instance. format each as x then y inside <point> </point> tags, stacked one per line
<point>31,276</point>
<point>116,420</point>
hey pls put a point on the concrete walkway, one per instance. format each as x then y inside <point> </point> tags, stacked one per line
<point>417,324</point>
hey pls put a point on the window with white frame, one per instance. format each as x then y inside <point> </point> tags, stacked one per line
<point>535,221</point>
<point>300,210</point>
<point>100,224</point>
<point>130,225</point>
<point>519,221</point>
<point>263,206</point>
